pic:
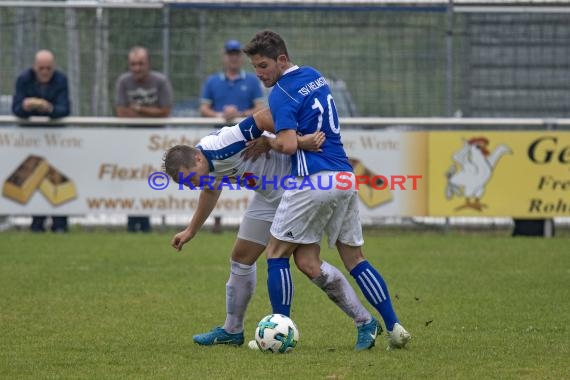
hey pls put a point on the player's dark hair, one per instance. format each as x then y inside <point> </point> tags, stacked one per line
<point>177,157</point>
<point>266,43</point>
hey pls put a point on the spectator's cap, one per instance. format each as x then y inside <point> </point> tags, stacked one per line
<point>232,46</point>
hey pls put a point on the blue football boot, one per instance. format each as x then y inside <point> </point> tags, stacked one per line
<point>218,336</point>
<point>367,334</point>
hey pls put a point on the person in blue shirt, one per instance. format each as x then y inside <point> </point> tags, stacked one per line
<point>42,91</point>
<point>231,93</point>
<point>301,103</point>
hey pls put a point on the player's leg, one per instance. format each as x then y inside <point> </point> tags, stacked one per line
<point>300,219</point>
<point>331,281</point>
<point>338,289</point>
<point>252,237</point>
<point>376,292</point>
<point>239,290</point>
<point>371,283</point>
<point>250,244</point>
<point>279,281</point>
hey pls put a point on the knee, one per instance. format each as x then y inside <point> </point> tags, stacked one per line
<point>244,257</point>
<point>246,252</point>
<point>311,268</point>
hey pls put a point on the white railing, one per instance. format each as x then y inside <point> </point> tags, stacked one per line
<point>539,123</point>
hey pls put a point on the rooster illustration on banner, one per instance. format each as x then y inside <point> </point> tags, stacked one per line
<point>472,168</point>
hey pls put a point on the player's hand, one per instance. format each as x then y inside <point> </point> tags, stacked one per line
<point>311,142</point>
<point>255,148</point>
<point>180,239</point>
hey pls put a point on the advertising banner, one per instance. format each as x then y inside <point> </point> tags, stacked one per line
<point>76,171</point>
<point>395,163</point>
<point>515,173</point>
<point>73,171</point>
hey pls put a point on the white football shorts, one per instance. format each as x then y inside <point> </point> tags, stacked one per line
<point>260,213</point>
<point>305,214</point>
<point>257,220</point>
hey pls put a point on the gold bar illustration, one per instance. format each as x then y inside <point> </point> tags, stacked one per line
<point>57,188</point>
<point>22,183</point>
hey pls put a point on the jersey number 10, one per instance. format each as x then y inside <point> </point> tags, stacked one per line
<point>318,106</point>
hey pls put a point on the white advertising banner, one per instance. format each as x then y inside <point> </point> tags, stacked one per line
<point>76,171</point>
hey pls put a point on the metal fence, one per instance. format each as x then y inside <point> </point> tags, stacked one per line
<point>408,60</point>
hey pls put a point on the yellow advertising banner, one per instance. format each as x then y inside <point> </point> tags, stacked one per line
<point>515,173</point>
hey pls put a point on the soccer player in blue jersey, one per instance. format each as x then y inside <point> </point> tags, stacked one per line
<point>301,103</point>
<point>219,156</point>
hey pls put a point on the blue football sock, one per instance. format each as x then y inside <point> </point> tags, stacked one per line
<point>375,290</point>
<point>279,285</point>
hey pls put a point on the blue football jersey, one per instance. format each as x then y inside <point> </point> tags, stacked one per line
<point>302,100</point>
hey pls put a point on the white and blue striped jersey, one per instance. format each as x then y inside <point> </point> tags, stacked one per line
<point>302,100</point>
<point>223,150</point>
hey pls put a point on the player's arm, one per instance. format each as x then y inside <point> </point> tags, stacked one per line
<point>206,203</point>
<point>259,146</point>
<point>285,141</point>
<point>256,148</point>
<point>311,142</point>
<point>286,123</point>
<point>264,120</point>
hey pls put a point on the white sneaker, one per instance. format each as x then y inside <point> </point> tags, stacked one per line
<point>398,337</point>
<point>253,345</point>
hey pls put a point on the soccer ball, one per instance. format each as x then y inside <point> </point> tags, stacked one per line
<point>276,333</point>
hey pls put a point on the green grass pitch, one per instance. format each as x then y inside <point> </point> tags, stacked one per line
<point>104,305</point>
